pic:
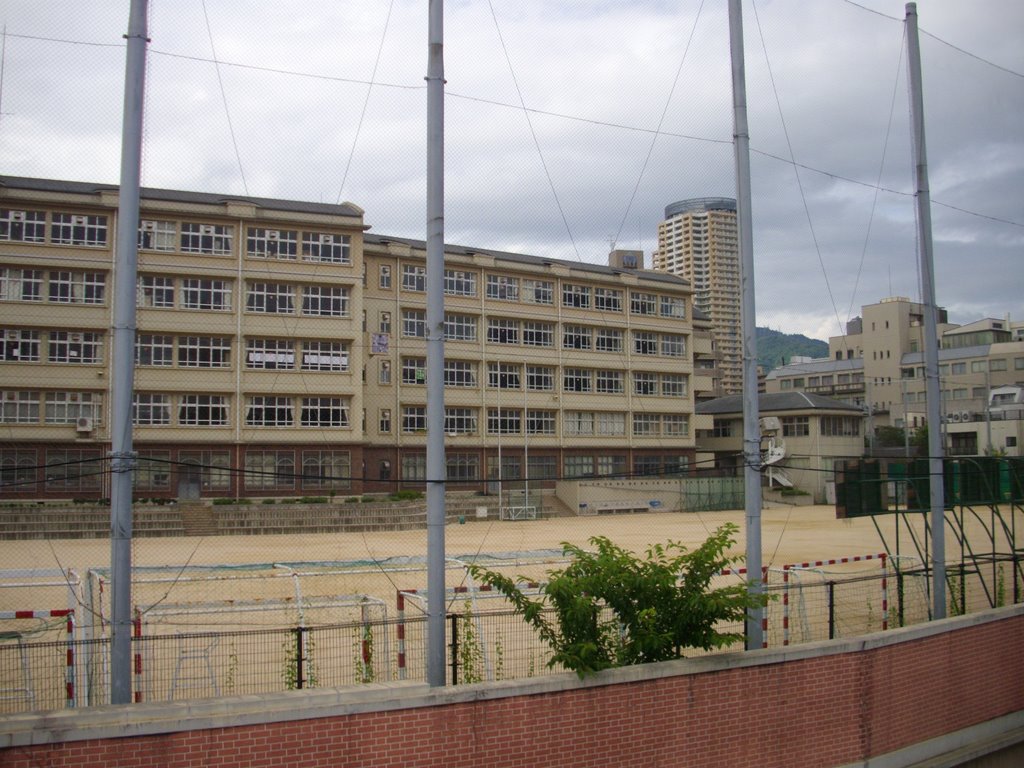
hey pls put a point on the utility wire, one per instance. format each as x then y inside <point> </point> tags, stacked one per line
<point>224,99</point>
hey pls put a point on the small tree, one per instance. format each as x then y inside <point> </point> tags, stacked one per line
<point>613,608</point>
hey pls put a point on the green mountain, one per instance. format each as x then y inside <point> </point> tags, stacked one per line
<point>775,348</point>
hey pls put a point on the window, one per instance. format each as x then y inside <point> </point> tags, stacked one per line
<point>271,298</point>
<point>610,424</point>
<point>73,470</point>
<point>722,428</point>
<point>502,288</point>
<point>459,373</point>
<point>459,327</point>
<point>579,466</point>
<point>459,283</point>
<point>414,466</point>
<point>540,378</point>
<point>157,235</point>
<point>414,324</point>
<point>540,422</point>
<point>460,421</point>
<point>326,469</point>
<point>502,331</point>
<point>996,365</point>
<point>69,407</point>
<point>840,426</point>
<point>674,385</point>
<point>537,334</point>
<point>74,229</point>
<point>213,468</point>
<point>155,291</point>
<point>608,299</point>
<point>414,278</point>
<point>209,239</point>
<point>384,421</point>
<point>324,356</point>
<point>1018,363</point>
<point>384,322</point>
<point>538,292</point>
<point>675,424</point>
<point>958,369</point>
<point>509,468</point>
<point>673,345</point>
<point>269,411</point>
<point>325,247</point>
<point>384,373</point>
<point>324,412</point>
<point>796,426</point>
<point>643,303</point>
<point>645,343</point>
<point>609,382</point>
<point>645,383</point>
<point>503,375</point>
<point>576,337</point>
<point>542,467</point>
<point>608,340</point>
<point>673,306</point>
<point>578,423</point>
<point>504,421</point>
<point>611,465</point>
<point>414,418</point>
<point>150,409</point>
<point>576,380</point>
<point>270,354</point>
<point>272,243</point>
<point>21,284</point>
<point>269,470</point>
<point>77,287</point>
<point>384,277</point>
<point>152,471</point>
<point>414,370</point>
<point>322,300</point>
<point>23,226</point>
<point>646,424</point>
<point>204,352</point>
<point>577,296</point>
<point>205,294</point>
<point>462,466</point>
<point>979,366</point>
<point>19,407</point>
<point>75,347</point>
<point>203,411</point>
<point>19,346</point>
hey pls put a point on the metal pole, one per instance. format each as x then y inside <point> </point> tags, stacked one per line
<point>751,426</point>
<point>435,349</point>
<point>931,343</point>
<point>122,457</point>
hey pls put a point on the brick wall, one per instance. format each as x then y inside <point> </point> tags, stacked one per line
<point>825,704</point>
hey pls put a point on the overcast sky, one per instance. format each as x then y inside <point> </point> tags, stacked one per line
<point>569,126</point>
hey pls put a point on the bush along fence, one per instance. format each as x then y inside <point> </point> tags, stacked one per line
<point>46,665</point>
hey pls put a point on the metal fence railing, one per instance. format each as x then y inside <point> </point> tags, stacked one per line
<point>487,641</point>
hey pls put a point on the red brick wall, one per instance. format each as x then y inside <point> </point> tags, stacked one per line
<point>809,710</point>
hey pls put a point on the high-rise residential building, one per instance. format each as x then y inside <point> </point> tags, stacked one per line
<point>281,350</point>
<point>699,241</point>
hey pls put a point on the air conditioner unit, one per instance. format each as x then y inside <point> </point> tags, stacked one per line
<point>10,395</point>
<point>273,234</point>
<point>148,226</point>
<point>954,417</point>
<point>79,221</point>
<point>75,338</point>
<point>326,239</point>
<point>83,424</point>
<point>17,215</point>
<point>11,335</point>
<point>965,416</point>
<point>206,229</point>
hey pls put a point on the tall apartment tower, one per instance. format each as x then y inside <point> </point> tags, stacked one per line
<point>698,241</point>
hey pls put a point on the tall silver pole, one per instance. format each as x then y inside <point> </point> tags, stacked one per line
<point>122,457</point>
<point>751,421</point>
<point>931,343</point>
<point>435,350</point>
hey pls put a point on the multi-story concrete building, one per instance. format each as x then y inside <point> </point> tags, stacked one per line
<point>879,365</point>
<point>281,351</point>
<point>699,241</point>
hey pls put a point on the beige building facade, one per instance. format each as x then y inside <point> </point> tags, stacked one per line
<point>280,350</point>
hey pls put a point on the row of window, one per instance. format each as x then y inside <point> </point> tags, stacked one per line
<point>159,409</point>
<point>83,469</point>
<point>530,421</point>
<point>530,333</point>
<point>283,470</point>
<point>541,378</point>
<point>188,237</point>
<point>800,426</point>
<point>532,291</point>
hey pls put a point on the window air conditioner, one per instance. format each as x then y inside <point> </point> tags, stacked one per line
<point>206,229</point>
<point>326,239</point>
<point>83,424</point>
<point>148,226</point>
<point>17,215</point>
<point>273,234</point>
<point>78,220</point>
<point>11,335</point>
<point>75,338</point>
